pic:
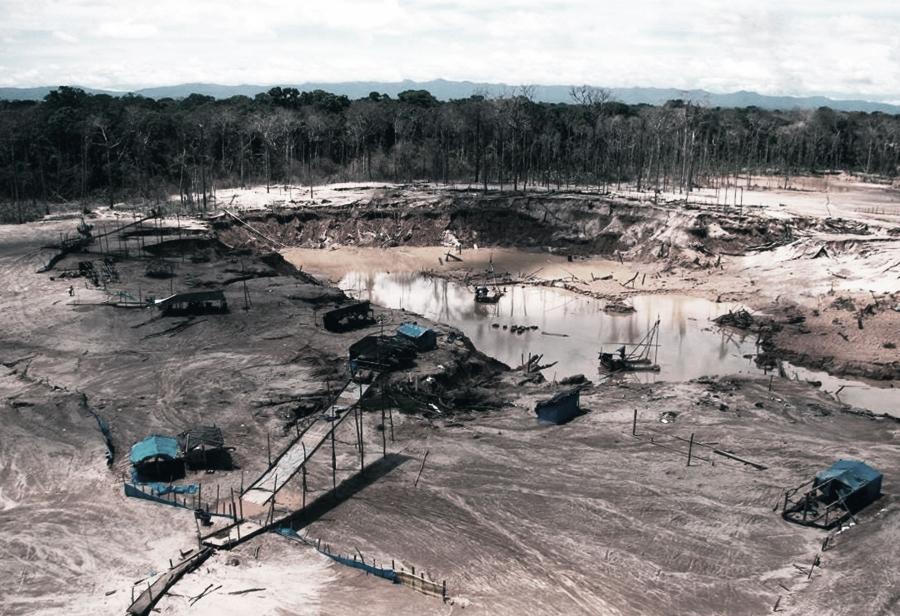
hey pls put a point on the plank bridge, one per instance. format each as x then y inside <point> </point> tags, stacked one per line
<point>254,500</point>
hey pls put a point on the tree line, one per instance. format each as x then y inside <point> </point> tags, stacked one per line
<point>74,146</point>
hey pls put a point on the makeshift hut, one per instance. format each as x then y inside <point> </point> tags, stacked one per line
<point>833,494</point>
<point>198,302</point>
<point>382,353</point>
<point>351,316</point>
<point>424,338</point>
<point>204,447</point>
<point>855,483</point>
<point>157,457</point>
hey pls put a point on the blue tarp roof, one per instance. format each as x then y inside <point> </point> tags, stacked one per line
<point>154,446</point>
<point>852,473</point>
<point>411,330</point>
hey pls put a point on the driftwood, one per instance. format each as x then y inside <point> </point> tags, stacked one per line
<point>630,281</point>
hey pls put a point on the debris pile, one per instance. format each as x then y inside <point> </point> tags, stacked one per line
<point>740,319</point>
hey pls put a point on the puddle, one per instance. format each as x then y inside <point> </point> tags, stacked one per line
<point>572,330</point>
<point>862,394</point>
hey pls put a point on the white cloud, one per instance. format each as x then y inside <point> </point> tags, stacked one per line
<point>802,47</point>
<point>127,30</point>
<point>65,36</point>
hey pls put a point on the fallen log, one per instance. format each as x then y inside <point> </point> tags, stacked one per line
<point>757,466</point>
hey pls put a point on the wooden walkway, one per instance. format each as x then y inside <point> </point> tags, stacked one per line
<point>155,591</point>
<point>294,457</point>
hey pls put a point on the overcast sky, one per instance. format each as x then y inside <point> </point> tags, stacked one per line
<point>848,48</point>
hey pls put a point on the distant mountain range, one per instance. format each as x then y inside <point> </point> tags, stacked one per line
<point>446,90</point>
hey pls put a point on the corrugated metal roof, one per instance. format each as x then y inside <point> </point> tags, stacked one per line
<point>201,436</point>
<point>411,330</point>
<point>851,473</point>
<point>154,446</point>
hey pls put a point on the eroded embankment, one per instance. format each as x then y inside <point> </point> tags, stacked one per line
<point>731,247</point>
<point>571,224</point>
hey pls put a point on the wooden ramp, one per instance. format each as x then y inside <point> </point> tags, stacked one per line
<point>294,457</point>
<point>155,591</point>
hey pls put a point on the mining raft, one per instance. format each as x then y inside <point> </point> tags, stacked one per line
<point>564,406</point>
<point>641,357</point>
<point>833,494</point>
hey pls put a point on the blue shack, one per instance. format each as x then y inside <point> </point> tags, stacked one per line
<point>157,456</point>
<point>562,407</point>
<point>424,338</point>
<point>855,483</point>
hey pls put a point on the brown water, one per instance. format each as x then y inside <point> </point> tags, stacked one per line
<point>572,330</point>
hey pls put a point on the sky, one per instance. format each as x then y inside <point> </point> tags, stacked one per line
<point>844,49</point>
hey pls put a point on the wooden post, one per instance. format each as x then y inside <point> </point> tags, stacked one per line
<point>383,435</point>
<point>634,424</point>
<point>425,457</point>
<point>303,469</point>
<point>690,449</point>
<point>813,566</point>
<point>362,447</point>
<point>333,462</point>
<point>771,378</point>
<point>199,536</point>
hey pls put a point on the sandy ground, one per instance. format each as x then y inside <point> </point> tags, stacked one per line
<point>584,518</point>
<point>581,518</point>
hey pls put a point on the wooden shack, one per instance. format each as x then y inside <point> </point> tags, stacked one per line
<point>424,338</point>
<point>351,316</point>
<point>204,447</point>
<point>198,302</point>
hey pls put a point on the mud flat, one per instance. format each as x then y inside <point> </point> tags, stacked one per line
<point>516,516</point>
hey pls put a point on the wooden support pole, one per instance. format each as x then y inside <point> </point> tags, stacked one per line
<point>421,468</point>
<point>333,462</point>
<point>634,424</point>
<point>690,449</point>
<point>813,566</point>
<point>362,446</point>
<point>383,435</point>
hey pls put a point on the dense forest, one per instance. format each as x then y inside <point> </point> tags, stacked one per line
<point>73,146</point>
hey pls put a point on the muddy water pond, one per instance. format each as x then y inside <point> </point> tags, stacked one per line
<point>572,330</point>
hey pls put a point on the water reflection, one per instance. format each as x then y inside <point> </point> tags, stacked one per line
<point>572,330</point>
<point>690,344</point>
